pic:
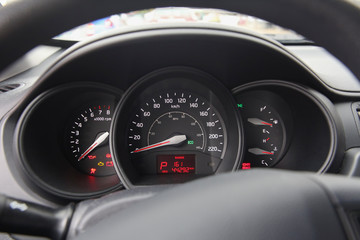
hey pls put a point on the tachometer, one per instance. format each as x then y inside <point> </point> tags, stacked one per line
<point>71,157</point>
<point>181,124</point>
<point>87,140</point>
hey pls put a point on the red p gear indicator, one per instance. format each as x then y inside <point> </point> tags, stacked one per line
<point>176,164</point>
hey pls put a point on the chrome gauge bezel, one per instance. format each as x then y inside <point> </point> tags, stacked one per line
<point>170,80</point>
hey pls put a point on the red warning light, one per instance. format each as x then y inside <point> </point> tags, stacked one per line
<point>108,155</point>
<point>246,166</point>
<point>109,164</point>
<point>91,156</point>
<point>92,170</point>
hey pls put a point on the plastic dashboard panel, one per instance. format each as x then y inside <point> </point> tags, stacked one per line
<point>238,59</point>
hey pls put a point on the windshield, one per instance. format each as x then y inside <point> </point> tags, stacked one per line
<point>175,14</point>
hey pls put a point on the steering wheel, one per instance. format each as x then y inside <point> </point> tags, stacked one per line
<point>248,205</point>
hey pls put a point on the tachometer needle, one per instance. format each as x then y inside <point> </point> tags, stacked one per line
<point>258,151</point>
<point>257,121</point>
<point>170,141</point>
<point>97,142</point>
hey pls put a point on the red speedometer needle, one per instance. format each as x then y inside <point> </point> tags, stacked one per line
<point>170,141</point>
<point>97,142</point>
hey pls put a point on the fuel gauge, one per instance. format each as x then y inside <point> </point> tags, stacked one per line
<point>264,132</point>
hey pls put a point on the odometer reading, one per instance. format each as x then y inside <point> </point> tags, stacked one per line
<point>176,122</point>
<point>176,164</point>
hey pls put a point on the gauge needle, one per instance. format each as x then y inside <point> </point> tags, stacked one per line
<point>258,151</point>
<point>257,121</point>
<point>170,141</point>
<point>97,142</point>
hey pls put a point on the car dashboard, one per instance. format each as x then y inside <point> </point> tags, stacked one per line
<point>162,105</point>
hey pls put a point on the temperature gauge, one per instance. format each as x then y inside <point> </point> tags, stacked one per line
<point>264,133</point>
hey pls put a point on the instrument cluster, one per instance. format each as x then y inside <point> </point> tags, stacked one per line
<point>97,139</point>
<point>161,106</point>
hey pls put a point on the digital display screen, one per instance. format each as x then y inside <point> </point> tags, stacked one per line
<point>176,164</point>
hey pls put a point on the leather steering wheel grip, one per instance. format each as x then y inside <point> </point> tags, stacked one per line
<point>254,205</point>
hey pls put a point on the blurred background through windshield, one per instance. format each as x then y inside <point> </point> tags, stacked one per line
<point>175,14</point>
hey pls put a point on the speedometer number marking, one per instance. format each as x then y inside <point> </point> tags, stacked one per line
<point>175,113</point>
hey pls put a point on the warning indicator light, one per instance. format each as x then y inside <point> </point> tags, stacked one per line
<point>92,170</point>
<point>109,164</point>
<point>246,166</point>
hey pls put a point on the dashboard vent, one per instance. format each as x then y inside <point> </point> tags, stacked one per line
<point>8,87</point>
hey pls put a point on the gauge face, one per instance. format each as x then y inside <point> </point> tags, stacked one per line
<point>264,133</point>
<point>174,123</point>
<point>88,140</point>
<point>177,122</point>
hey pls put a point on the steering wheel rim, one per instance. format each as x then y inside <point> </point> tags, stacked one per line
<point>257,204</point>
<point>20,28</point>
<point>316,19</point>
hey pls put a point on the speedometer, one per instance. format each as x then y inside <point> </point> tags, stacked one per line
<point>177,114</point>
<point>175,129</point>
<point>173,123</point>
